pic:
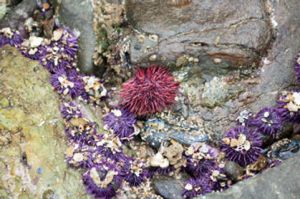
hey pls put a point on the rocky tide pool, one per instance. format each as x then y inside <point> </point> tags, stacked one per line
<point>149,99</point>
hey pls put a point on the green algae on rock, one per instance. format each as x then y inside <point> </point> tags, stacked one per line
<point>32,157</point>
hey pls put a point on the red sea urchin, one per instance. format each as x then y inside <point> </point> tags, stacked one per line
<point>151,90</point>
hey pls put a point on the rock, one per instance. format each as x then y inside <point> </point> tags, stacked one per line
<point>284,149</point>
<point>168,187</point>
<point>78,15</point>
<point>215,28</point>
<point>3,9</point>
<point>17,15</point>
<point>233,170</point>
<point>277,72</point>
<point>32,154</point>
<point>281,182</point>
<point>157,131</point>
<point>217,92</point>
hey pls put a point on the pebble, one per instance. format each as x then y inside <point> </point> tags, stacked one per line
<point>233,170</point>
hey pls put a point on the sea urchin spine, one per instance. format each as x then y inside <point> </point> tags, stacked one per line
<point>150,91</point>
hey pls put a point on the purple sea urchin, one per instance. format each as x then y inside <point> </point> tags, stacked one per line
<point>67,82</point>
<point>268,121</point>
<point>198,168</point>
<point>135,172</point>
<point>121,122</point>
<point>242,145</point>
<point>94,90</point>
<point>103,180</point>
<point>200,159</point>
<point>80,130</point>
<point>70,110</point>
<point>78,155</point>
<point>10,37</point>
<point>197,186</point>
<point>289,106</point>
<point>109,146</point>
<point>33,48</point>
<point>61,53</point>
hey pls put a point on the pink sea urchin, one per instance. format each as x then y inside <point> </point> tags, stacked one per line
<point>151,90</point>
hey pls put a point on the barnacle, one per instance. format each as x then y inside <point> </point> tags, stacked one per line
<point>289,106</point>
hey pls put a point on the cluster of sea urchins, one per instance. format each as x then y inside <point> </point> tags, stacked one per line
<point>150,91</point>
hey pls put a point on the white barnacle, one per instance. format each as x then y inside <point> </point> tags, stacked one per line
<point>188,187</point>
<point>117,113</point>
<point>266,114</point>
<point>63,80</point>
<point>296,96</point>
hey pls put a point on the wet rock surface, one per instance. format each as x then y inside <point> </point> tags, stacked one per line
<point>17,15</point>
<point>219,29</point>
<point>32,140</point>
<point>277,72</point>
<point>276,183</point>
<point>169,188</point>
<point>78,15</point>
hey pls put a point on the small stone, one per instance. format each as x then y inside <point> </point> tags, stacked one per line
<point>78,157</point>
<point>153,57</point>
<point>233,170</point>
<point>181,61</point>
<point>57,34</point>
<point>35,42</point>
<point>159,161</point>
<point>217,60</point>
<point>190,59</point>
<point>49,194</point>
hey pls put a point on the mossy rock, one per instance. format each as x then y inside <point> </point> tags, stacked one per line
<point>32,140</point>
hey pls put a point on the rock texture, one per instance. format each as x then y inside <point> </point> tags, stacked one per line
<point>169,188</point>
<point>282,182</point>
<point>78,15</point>
<point>18,14</point>
<point>277,72</point>
<point>32,140</point>
<point>217,28</point>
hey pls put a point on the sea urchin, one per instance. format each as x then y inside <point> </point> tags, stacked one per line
<point>151,90</point>
<point>242,145</point>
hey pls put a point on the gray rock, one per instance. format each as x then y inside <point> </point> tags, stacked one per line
<point>279,74</point>
<point>157,131</point>
<point>282,182</point>
<point>233,170</point>
<point>3,10</point>
<point>78,14</point>
<point>217,92</point>
<point>217,28</point>
<point>16,16</point>
<point>168,187</point>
